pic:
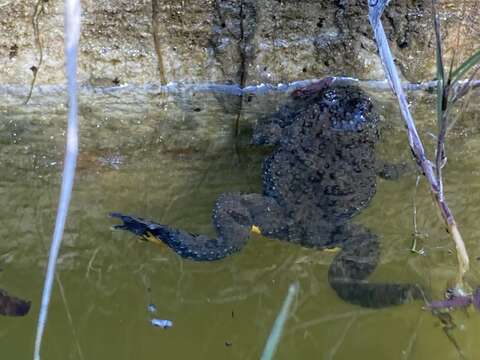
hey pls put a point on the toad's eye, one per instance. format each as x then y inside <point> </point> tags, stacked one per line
<point>358,106</point>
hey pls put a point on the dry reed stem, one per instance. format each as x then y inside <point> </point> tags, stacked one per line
<point>376,8</point>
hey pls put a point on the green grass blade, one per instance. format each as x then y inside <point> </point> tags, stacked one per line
<point>466,66</point>
<point>440,67</point>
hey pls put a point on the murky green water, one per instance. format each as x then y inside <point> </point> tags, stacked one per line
<point>169,158</point>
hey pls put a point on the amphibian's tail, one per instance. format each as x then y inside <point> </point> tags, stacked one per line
<point>187,245</point>
<point>13,306</point>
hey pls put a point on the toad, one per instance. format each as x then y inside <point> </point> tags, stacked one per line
<point>13,306</point>
<point>322,171</point>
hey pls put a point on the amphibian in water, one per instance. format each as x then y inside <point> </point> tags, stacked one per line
<point>322,172</point>
<point>13,306</point>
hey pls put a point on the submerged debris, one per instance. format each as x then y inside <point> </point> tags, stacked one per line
<point>152,308</point>
<point>164,324</point>
<point>456,301</point>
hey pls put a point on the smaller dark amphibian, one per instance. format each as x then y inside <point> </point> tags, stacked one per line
<point>13,306</point>
<point>321,172</point>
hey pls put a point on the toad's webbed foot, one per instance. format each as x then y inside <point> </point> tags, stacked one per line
<point>13,306</point>
<point>234,216</point>
<point>351,267</point>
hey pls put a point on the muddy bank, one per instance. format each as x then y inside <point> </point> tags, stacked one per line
<point>228,41</point>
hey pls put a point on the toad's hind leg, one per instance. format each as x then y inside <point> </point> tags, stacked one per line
<point>351,267</point>
<point>235,215</point>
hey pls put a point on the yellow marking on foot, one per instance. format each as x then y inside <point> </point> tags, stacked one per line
<point>148,236</point>
<point>333,250</point>
<point>256,230</point>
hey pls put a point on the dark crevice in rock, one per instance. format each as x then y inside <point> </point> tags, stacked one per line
<point>156,42</point>
<point>243,64</point>
<point>232,37</point>
<point>13,51</point>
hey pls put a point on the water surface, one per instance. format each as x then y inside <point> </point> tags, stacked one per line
<point>169,158</point>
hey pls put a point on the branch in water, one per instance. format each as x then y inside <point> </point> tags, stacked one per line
<point>376,8</point>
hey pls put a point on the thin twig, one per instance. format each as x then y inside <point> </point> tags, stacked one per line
<point>415,227</point>
<point>69,316</point>
<point>72,35</point>
<point>90,263</point>
<point>341,339</point>
<point>376,8</point>
<point>413,338</point>
<point>38,44</point>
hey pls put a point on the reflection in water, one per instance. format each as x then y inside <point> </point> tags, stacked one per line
<point>173,168</point>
